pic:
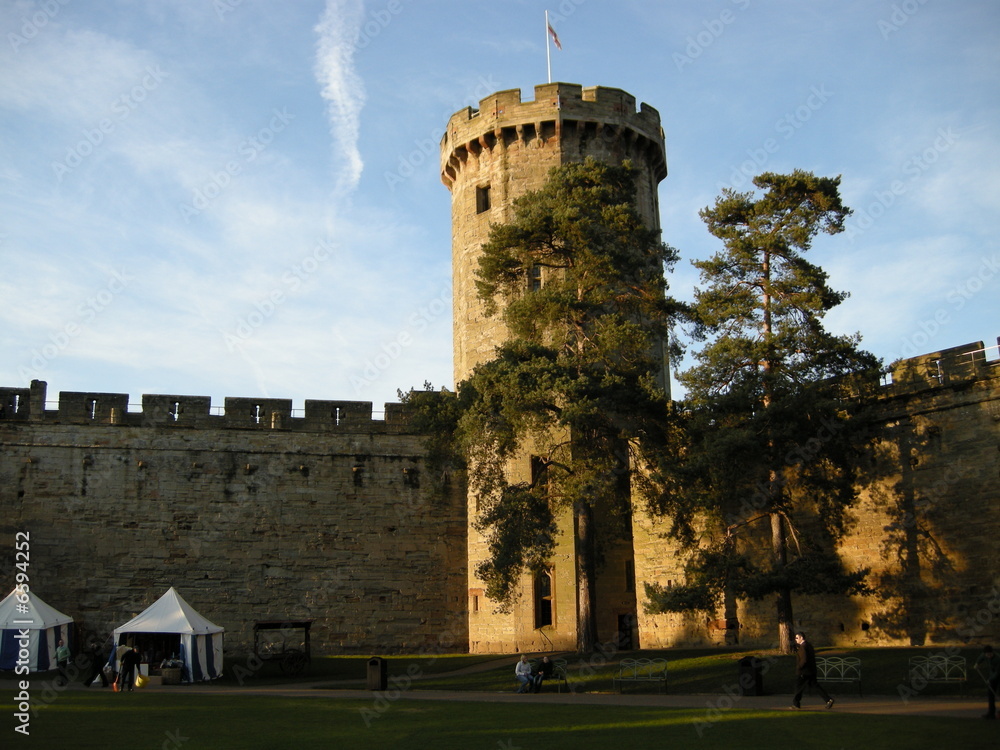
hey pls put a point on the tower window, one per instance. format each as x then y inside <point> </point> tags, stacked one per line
<point>535,278</point>
<point>544,610</point>
<point>482,199</point>
<point>539,473</point>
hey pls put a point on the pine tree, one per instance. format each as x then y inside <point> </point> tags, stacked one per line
<point>771,427</point>
<point>579,282</point>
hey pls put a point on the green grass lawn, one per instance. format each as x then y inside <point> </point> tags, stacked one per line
<point>884,672</point>
<point>192,721</point>
<point>693,671</point>
<point>246,670</point>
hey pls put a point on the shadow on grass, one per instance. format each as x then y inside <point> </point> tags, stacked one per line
<point>714,671</point>
<point>191,721</point>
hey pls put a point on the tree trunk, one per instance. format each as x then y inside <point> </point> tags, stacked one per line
<point>586,620</point>
<point>786,643</point>
<point>784,600</point>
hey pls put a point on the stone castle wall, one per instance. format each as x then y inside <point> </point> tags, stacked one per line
<point>927,522</point>
<point>253,516</point>
<point>259,514</point>
<point>339,519</point>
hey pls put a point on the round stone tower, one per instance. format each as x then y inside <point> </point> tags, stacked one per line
<point>492,155</point>
<point>489,157</point>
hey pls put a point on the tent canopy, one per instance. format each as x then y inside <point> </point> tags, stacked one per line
<point>169,614</point>
<point>39,615</point>
<point>46,626</point>
<point>200,639</point>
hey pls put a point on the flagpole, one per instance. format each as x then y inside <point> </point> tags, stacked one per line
<point>548,52</point>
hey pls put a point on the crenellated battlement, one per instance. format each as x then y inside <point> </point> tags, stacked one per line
<point>947,367</point>
<point>561,112</point>
<point>159,410</point>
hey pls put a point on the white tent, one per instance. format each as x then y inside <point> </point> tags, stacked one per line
<point>44,625</point>
<point>200,640</point>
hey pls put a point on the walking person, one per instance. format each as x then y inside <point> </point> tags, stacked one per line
<point>805,672</point>
<point>96,667</point>
<point>62,661</point>
<point>991,676</point>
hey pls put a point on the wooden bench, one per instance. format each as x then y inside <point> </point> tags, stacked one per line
<point>558,672</point>
<point>839,669</point>
<point>640,671</point>
<point>937,670</point>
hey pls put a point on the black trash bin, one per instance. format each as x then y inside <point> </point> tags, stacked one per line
<point>751,675</point>
<point>377,674</point>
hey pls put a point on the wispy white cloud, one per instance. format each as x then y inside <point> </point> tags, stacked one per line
<point>342,87</point>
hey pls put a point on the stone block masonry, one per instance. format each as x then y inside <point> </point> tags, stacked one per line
<point>252,515</point>
<point>926,522</point>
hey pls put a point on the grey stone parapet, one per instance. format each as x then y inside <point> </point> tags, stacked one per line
<point>161,410</point>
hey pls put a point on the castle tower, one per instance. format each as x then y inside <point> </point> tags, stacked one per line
<point>489,157</point>
<point>493,155</point>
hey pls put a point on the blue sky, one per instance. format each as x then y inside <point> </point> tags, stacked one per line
<point>242,198</point>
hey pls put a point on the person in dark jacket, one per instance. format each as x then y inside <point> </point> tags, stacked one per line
<point>95,667</point>
<point>805,672</point>
<point>544,672</point>
<point>988,666</point>
<point>126,676</point>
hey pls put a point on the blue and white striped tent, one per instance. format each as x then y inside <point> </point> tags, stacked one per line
<point>201,640</point>
<point>45,626</point>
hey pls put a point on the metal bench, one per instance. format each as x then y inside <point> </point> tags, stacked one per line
<point>839,669</point>
<point>558,672</point>
<point>642,670</point>
<point>937,670</point>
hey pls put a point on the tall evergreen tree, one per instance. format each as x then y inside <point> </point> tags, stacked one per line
<point>771,428</point>
<point>579,282</point>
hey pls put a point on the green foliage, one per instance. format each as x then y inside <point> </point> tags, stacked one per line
<point>437,414</point>
<point>720,567</point>
<point>771,425</point>
<point>521,532</point>
<point>577,382</point>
